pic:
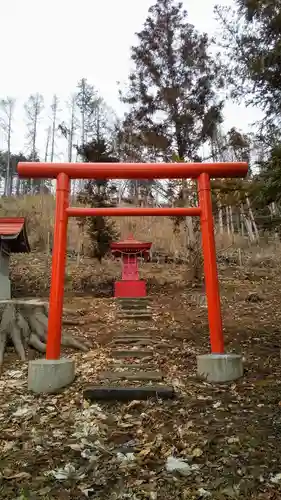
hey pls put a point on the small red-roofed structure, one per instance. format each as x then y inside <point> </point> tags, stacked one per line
<point>129,251</point>
<point>13,239</point>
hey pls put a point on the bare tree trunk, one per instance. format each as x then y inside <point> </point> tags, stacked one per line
<point>227,220</point>
<point>136,192</point>
<point>252,219</point>
<point>47,144</point>
<point>241,222</point>
<point>185,201</point>
<point>248,225</point>
<point>273,211</point>
<point>9,181</point>
<point>240,262</point>
<point>18,186</point>
<point>231,220</point>
<point>189,229</point>
<point>220,214</point>
<point>7,106</point>
<point>273,208</point>
<point>68,131</point>
<point>34,135</point>
<point>71,130</point>
<point>84,101</point>
<point>98,123</point>
<point>33,108</point>
<point>54,108</point>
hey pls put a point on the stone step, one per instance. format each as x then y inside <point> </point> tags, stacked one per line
<point>140,316</point>
<point>154,376</point>
<point>132,340</point>
<point>132,366</point>
<point>137,311</point>
<point>136,335</point>
<point>134,306</point>
<point>138,342</point>
<point>131,353</point>
<point>113,393</point>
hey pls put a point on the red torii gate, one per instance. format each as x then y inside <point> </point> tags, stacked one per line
<point>63,172</point>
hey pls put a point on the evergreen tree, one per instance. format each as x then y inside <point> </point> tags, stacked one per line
<point>269,178</point>
<point>251,37</point>
<point>86,101</point>
<point>21,185</point>
<point>172,89</point>
<point>98,193</point>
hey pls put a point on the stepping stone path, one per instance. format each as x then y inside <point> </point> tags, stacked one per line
<point>137,309</point>
<point>134,365</point>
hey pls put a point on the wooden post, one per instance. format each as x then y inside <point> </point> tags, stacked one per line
<point>210,265</point>
<point>58,268</point>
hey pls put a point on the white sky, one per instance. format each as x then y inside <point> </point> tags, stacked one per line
<point>48,45</point>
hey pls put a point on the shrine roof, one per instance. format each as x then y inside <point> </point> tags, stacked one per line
<point>13,234</point>
<point>130,243</point>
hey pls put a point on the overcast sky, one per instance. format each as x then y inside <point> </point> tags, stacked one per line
<point>48,45</point>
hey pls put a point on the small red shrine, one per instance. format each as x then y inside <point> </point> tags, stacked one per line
<point>129,251</point>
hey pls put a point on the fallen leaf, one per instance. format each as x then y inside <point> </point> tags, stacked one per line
<point>19,475</point>
<point>197,452</point>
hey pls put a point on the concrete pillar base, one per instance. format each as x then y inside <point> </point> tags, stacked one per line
<point>220,367</point>
<point>5,287</point>
<point>49,376</point>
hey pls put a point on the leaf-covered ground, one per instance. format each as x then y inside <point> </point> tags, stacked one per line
<point>225,437</point>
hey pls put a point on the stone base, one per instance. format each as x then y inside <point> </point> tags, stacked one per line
<point>220,367</point>
<point>130,288</point>
<point>5,287</point>
<point>49,376</point>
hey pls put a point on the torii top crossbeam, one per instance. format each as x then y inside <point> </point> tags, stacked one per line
<point>131,170</point>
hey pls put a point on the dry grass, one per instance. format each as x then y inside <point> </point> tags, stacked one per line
<point>39,213</point>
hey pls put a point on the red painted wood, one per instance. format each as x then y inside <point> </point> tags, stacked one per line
<point>130,289</point>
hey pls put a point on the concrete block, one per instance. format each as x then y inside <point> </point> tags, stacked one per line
<point>5,287</point>
<point>220,367</point>
<point>49,376</point>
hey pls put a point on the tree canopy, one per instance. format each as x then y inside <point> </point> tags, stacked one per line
<point>172,90</point>
<point>251,38</point>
